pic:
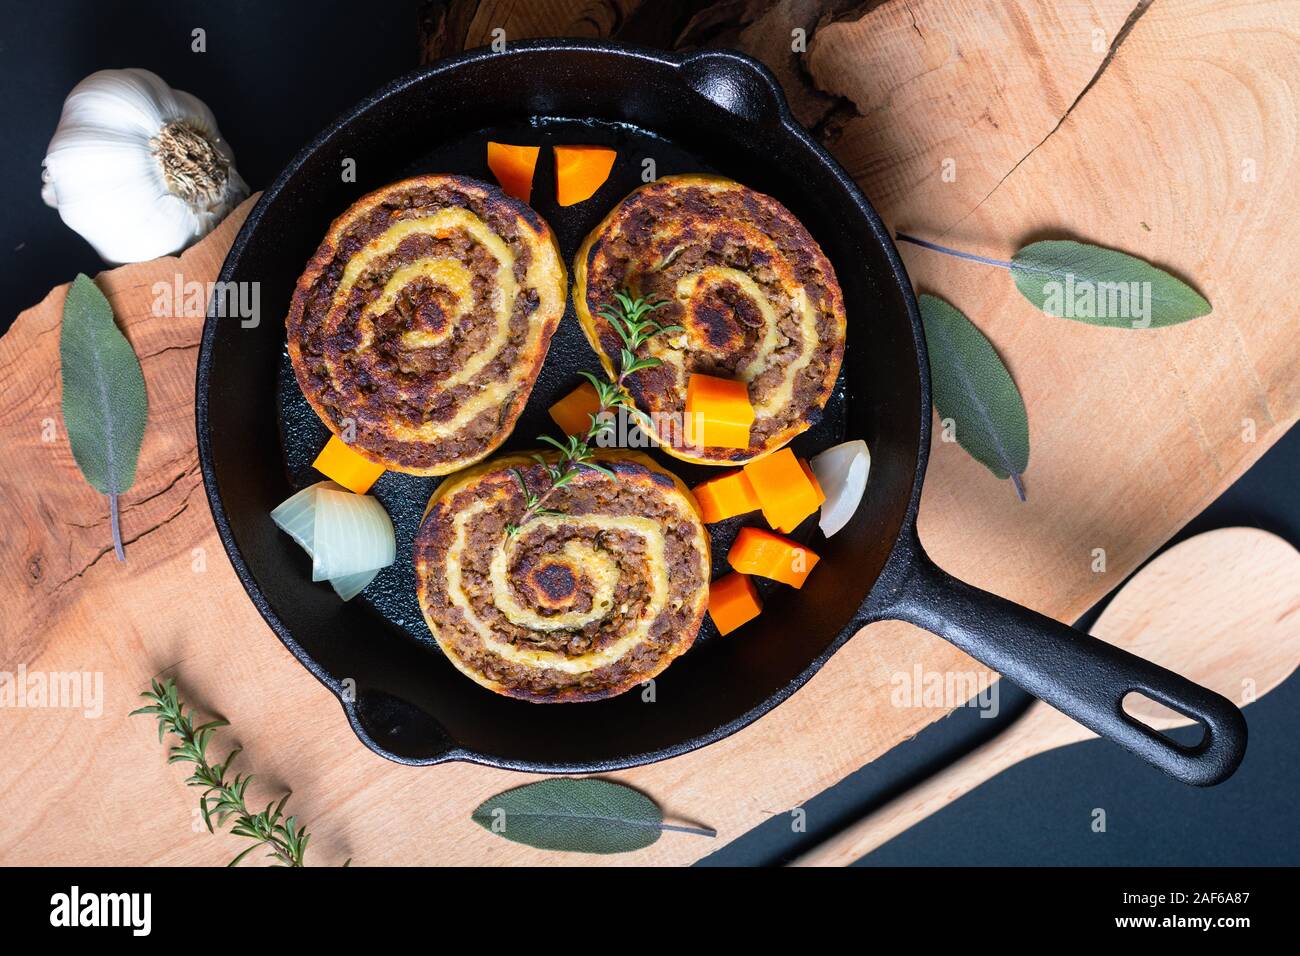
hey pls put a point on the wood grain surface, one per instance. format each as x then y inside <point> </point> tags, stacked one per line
<point>1165,129</point>
<point>1223,608</point>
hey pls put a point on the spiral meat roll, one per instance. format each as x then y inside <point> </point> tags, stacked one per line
<point>596,593</point>
<point>756,296</point>
<point>419,326</point>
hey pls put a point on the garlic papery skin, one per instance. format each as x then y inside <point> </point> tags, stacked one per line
<point>138,169</point>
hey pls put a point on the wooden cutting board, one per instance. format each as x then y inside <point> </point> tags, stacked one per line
<point>1163,129</point>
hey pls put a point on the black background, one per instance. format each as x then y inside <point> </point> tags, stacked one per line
<point>343,908</point>
<point>275,74</point>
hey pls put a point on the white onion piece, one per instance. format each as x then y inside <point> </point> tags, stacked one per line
<point>842,472</point>
<point>350,585</point>
<point>353,533</point>
<point>296,517</point>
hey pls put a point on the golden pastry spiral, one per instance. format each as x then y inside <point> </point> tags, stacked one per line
<point>585,601</point>
<point>419,326</point>
<point>756,296</point>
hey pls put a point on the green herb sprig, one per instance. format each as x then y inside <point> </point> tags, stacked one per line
<point>285,838</point>
<point>629,317</point>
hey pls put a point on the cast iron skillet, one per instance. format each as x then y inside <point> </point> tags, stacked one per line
<point>708,111</point>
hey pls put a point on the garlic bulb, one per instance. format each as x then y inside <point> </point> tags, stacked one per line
<point>137,168</point>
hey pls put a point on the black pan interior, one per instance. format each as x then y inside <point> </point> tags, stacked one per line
<point>258,436</point>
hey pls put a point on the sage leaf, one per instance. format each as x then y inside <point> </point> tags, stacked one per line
<point>577,815</point>
<point>1087,283</point>
<point>974,390</point>
<point>104,399</point>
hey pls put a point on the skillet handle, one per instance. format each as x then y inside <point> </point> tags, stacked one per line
<point>736,83</point>
<point>1081,676</point>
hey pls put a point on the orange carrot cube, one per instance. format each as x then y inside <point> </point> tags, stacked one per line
<point>785,491</point>
<point>573,412</point>
<point>513,166</point>
<point>339,462</point>
<point>725,497</point>
<point>721,408</point>
<point>769,555</point>
<point>580,171</point>
<point>733,600</point>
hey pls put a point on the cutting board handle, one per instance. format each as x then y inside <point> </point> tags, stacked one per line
<point>1079,675</point>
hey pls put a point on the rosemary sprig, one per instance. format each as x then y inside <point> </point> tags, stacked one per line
<point>222,799</point>
<point>629,318</point>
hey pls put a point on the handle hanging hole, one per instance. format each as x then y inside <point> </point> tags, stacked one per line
<point>1161,718</point>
